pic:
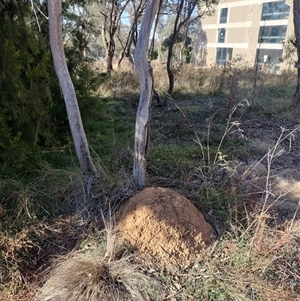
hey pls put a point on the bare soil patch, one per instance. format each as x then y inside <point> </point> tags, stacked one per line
<point>277,152</point>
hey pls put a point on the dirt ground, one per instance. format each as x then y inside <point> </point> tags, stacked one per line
<point>274,154</point>
<point>265,164</point>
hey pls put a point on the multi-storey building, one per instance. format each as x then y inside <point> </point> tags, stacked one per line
<point>253,29</point>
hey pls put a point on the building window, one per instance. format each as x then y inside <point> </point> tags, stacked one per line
<point>223,55</point>
<point>221,36</point>
<point>223,15</point>
<point>272,34</point>
<point>269,59</point>
<point>275,11</point>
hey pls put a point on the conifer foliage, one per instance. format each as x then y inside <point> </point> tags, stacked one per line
<point>25,98</point>
<point>32,112</point>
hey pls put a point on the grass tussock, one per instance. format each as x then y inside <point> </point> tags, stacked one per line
<point>101,270</point>
<point>92,277</point>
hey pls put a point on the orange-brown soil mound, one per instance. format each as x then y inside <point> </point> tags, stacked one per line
<point>166,225</point>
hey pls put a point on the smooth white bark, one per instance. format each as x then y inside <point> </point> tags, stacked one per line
<point>67,88</point>
<point>144,71</point>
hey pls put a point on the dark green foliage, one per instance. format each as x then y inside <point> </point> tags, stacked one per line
<point>25,98</point>
<point>179,39</point>
<point>187,48</point>
<point>154,55</point>
<point>32,111</point>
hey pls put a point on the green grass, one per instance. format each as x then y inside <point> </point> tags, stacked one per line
<point>173,160</point>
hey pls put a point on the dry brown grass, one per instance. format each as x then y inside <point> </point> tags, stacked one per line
<point>100,270</point>
<point>246,264</point>
<point>91,277</point>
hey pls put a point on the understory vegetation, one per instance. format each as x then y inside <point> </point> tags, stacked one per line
<point>216,134</point>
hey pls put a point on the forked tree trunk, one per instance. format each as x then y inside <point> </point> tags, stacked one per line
<point>177,27</point>
<point>112,13</point>
<point>67,88</point>
<point>144,71</point>
<point>297,45</point>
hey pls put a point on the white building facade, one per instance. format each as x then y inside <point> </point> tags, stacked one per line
<point>252,29</point>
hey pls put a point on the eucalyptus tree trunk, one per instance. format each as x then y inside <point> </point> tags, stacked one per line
<point>184,11</point>
<point>297,45</point>
<point>144,71</point>
<point>112,11</point>
<point>183,15</point>
<point>67,88</point>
